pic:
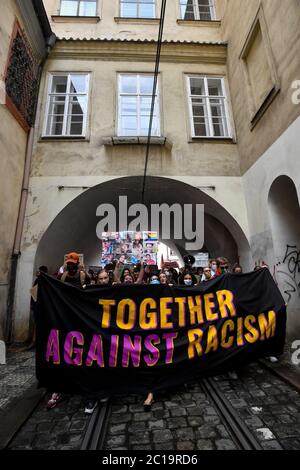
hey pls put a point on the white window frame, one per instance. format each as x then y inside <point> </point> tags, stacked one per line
<point>138,2</point>
<point>206,98</point>
<point>68,95</point>
<point>197,16</point>
<point>78,6</point>
<point>156,106</point>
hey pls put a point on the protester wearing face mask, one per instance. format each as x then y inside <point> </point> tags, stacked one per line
<point>224,264</point>
<point>154,279</point>
<point>215,268</point>
<point>187,279</point>
<point>237,269</point>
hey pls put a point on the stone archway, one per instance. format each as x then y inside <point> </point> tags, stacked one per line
<point>74,228</point>
<point>284,212</point>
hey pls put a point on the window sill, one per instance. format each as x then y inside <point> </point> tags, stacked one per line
<point>75,19</point>
<point>200,23</point>
<point>114,140</point>
<point>57,138</point>
<point>212,140</point>
<point>119,19</point>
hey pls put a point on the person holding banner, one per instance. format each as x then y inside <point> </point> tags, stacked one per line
<point>237,269</point>
<point>91,401</point>
<point>154,278</point>
<point>72,275</point>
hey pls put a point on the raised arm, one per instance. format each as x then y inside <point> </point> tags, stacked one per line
<point>141,273</point>
<point>117,279</point>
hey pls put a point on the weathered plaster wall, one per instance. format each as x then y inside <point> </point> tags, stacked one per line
<point>282,20</point>
<point>110,26</point>
<point>282,158</point>
<point>12,156</point>
<point>91,157</point>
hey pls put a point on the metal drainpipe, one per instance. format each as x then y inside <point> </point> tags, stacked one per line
<point>18,236</point>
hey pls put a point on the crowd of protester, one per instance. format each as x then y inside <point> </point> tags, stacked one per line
<point>118,273</point>
<point>115,273</point>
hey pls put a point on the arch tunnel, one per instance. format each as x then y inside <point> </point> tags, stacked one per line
<point>74,228</point>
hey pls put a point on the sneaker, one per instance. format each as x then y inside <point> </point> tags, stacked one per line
<point>54,400</point>
<point>103,400</point>
<point>233,375</point>
<point>90,406</point>
<point>273,359</point>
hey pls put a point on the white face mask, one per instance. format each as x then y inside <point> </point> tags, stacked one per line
<point>188,282</point>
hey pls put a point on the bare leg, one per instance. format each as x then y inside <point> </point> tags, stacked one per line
<point>149,401</point>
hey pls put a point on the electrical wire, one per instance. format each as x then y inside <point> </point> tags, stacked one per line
<point>157,62</point>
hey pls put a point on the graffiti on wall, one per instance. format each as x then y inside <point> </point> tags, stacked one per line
<point>289,271</point>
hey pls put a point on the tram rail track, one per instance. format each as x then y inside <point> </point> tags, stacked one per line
<point>238,430</point>
<point>94,438</point>
<point>97,427</point>
<point>95,434</point>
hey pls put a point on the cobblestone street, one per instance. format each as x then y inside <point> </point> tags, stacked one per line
<point>186,420</point>
<point>181,419</point>
<point>150,235</point>
<point>15,376</point>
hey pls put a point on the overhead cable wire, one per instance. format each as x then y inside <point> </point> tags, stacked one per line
<point>157,62</point>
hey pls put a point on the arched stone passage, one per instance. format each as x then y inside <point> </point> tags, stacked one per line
<point>284,214</point>
<point>75,226</point>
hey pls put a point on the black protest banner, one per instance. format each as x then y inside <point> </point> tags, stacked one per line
<point>137,338</point>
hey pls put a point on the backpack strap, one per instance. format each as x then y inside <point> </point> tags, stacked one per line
<point>64,276</point>
<point>82,278</point>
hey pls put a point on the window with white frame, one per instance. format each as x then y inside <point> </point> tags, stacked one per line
<point>208,107</point>
<point>197,10</point>
<point>135,98</point>
<point>67,105</point>
<point>78,8</point>
<point>137,8</point>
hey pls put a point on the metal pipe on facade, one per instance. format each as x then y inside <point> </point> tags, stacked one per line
<point>18,236</point>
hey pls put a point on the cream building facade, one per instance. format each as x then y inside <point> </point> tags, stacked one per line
<point>225,131</point>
